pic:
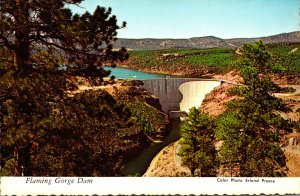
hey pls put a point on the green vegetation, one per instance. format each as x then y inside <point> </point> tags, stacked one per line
<point>286,56</point>
<point>147,115</point>
<point>251,129</point>
<point>195,62</point>
<point>197,148</point>
<point>46,131</point>
<point>201,60</point>
<point>220,60</point>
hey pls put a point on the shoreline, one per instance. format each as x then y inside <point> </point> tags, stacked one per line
<point>173,73</point>
<point>147,70</point>
<point>165,163</point>
<point>231,75</point>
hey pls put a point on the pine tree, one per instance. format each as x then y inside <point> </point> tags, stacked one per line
<point>42,45</point>
<point>252,129</point>
<point>38,32</point>
<point>227,130</point>
<point>197,148</point>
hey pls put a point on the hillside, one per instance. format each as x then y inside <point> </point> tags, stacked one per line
<point>201,62</point>
<point>202,42</point>
<point>167,164</point>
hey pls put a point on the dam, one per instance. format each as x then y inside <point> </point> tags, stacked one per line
<point>178,95</point>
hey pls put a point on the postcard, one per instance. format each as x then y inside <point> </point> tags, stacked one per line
<point>150,97</point>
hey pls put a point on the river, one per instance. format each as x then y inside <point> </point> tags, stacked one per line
<point>139,164</point>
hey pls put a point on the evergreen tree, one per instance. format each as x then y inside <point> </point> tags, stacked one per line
<point>37,32</point>
<point>197,148</point>
<point>227,130</point>
<point>252,129</point>
<point>94,135</point>
<point>37,37</point>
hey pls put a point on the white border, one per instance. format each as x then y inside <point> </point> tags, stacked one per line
<point>148,185</point>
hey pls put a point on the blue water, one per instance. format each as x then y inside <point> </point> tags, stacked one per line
<point>124,73</point>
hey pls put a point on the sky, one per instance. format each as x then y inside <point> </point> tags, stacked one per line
<point>197,18</point>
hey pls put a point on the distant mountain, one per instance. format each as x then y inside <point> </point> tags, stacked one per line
<point>202,42</point>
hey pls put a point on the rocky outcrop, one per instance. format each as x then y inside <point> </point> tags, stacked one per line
<point>164,164</point>
<point>214,103</point>
<point>291,141</point>
<point>292,79</point>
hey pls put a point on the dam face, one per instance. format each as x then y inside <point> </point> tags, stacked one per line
<point>167,92</point>
<point>194,93</point>
<point>180,94</point>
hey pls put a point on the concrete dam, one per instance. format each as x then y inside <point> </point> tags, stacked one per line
<point>178,95</point>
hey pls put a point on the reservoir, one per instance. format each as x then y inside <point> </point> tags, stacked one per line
<point>126,73</point>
